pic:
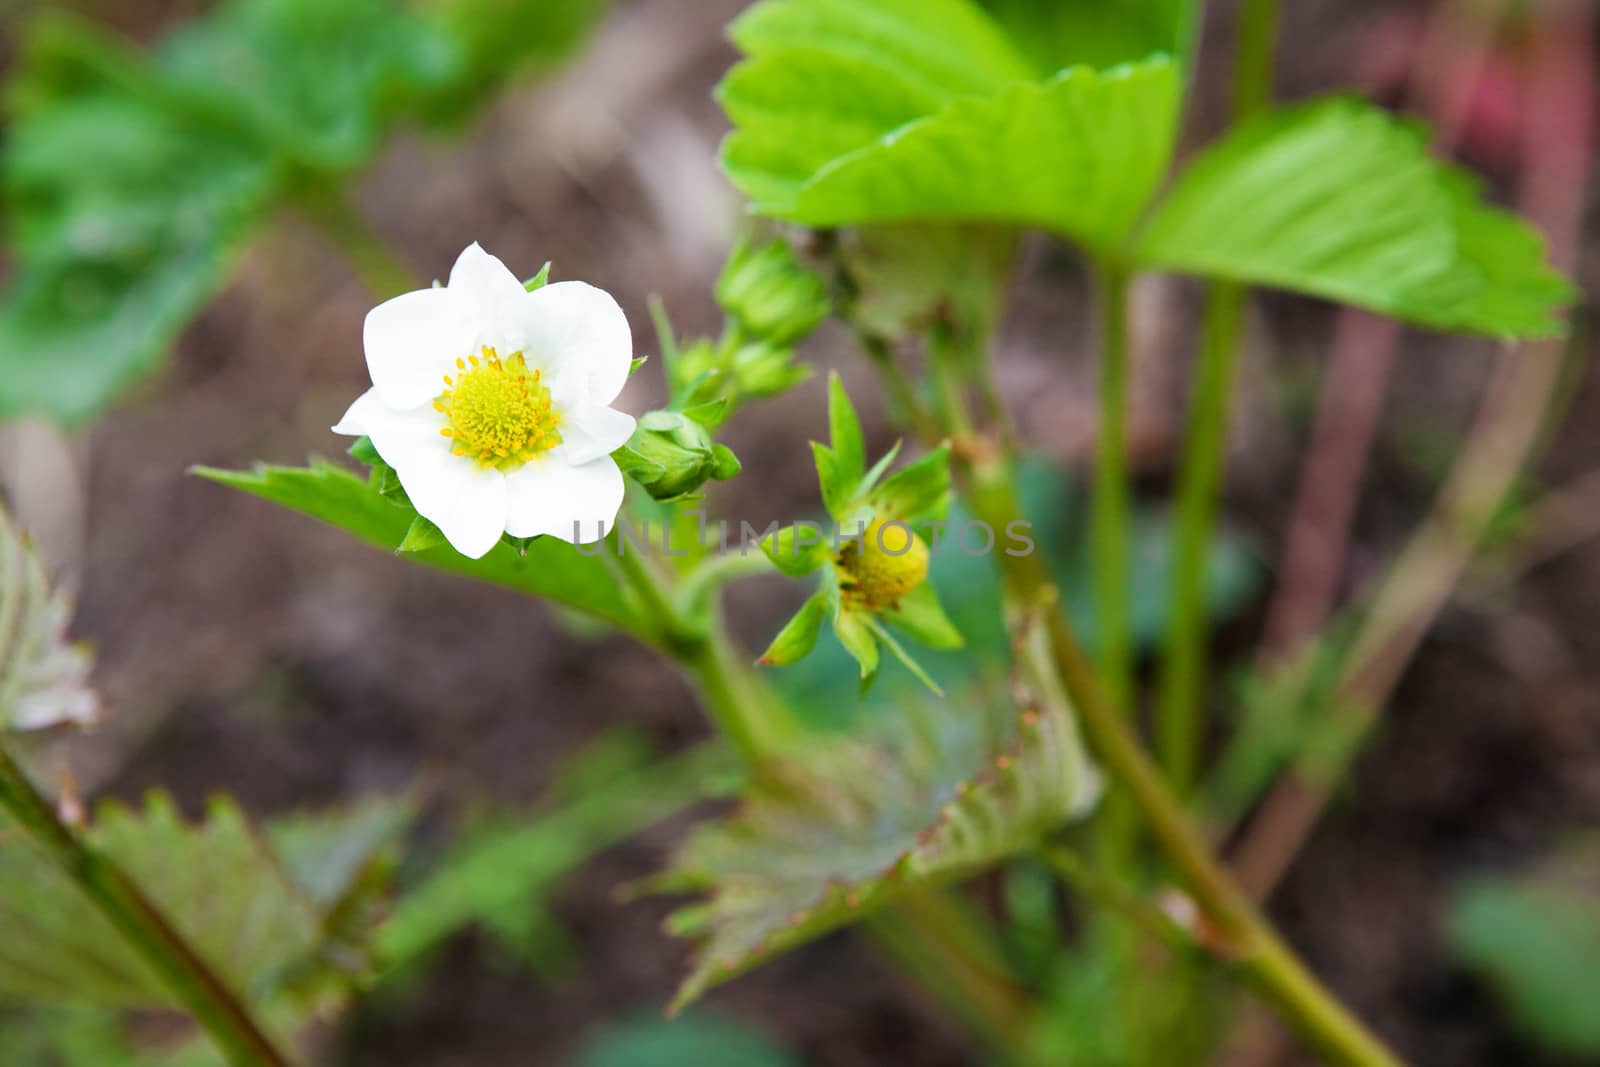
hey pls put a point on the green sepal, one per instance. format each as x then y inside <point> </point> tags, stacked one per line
<point>540,280</point>
<point>790,556</point>
<point>365,452</point>
<point>799,635</point>
<point>921,617</point>
<point>835,496</point>
<point>638,361</point>
<point>421,536</point>
<point>855,633</point>
<point>710,414</point>
<point>386,480</point>
<point>844,429</point>
<point>919,490</point>
<point>899,653</point>
<point>884,462</point>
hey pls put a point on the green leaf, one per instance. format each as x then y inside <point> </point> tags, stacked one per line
<point>794,555</point>
<point>799,635</point>
<point>694,1041</point>
<point>1340,199</point>
<point>849,449</point>
<point>44,677</point>
<point>855,633</point>
<point>550,568</point>
<point>327,852</point>
<point>124,219</point>
<point>920,616</point>
<point>319,81</point>
<point>1539,946</point>
<point>501,873</point>
<point>227,897</point>
<point>916,491</point>
<point>1102,34</point>
<point>856,822</point>
<point>834,125</point>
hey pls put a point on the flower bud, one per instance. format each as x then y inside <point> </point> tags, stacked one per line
<point>671,455</point>
<point>770,295</point>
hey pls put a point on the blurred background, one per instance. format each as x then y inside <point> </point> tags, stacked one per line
<point>246,649</point>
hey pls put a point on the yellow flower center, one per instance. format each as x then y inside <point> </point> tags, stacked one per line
<point>499,412</point>
<point>886,563</point>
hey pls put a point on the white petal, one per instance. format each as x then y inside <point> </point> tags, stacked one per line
<point>467,502</point>
<point>486,288</point>
<point>402,438</point>
<point>592,432</point>
<point>411,342</point>
<point>574,328</point>
<point>578,504</point>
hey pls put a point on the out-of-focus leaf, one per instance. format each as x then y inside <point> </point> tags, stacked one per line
<point>124,216</point>
<point>856,822</point>
<point>132,181</point>
<point>549,568</point>
<point>1539,947</point>
<point>325,852</point>
<point>318,81</point>
<point>1103,34</point>
<point>1339,199</point>
<point>44,677</point>
<point>501,38</point>
<point>825,138</point>
<point>904,275</point>
<point>693,1041</point>
<point>215,881</point>
<point>501,874</point>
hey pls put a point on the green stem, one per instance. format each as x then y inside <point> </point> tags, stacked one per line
<point>1179,721</point>
<point>369,256</point>
<point>929,935</point>
<point>1111,506</point>
<point>218,1011</point>
<point>1256,949</point>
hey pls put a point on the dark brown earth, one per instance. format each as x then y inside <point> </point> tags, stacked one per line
<point>246,649</point>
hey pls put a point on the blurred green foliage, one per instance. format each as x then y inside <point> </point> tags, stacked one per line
<point>693,1041</point>
<point>1537,943</point>
<point>132,180</point>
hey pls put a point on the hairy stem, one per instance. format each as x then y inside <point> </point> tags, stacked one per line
<point>1254,947</point>
<point>104,884</point>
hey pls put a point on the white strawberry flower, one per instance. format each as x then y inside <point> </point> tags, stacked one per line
<point>492,404</point>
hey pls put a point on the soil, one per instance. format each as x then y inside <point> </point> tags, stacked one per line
<point>246,649</point>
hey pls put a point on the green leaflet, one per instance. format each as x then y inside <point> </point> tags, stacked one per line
<point>855,823</point>
<point>44,678</point>
<point>1100,34</point>
<point>1340,199</point>
<point>229,897</point>
<point>548,567</point>
<point>1079,154</point>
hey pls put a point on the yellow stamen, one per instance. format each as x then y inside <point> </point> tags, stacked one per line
<point>500,412</point>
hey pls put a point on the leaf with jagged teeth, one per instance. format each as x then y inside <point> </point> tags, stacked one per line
<point>44,677</point>
<point>857,822</point>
